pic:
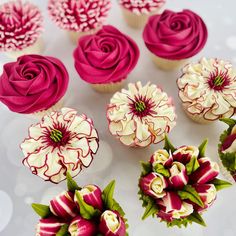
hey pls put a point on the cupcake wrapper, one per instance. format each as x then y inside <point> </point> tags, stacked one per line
<point>167,65</point>
<point>226,173</point>
<point>108,88</point>
<point>36,48</point>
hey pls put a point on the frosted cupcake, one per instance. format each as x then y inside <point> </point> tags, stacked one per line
<point>33,84</point>
<point>62,141</point>
<point>79,17</point>
<point>227,150</point>
<point>174,37</point>
<point>137,12</point>
<point>141,115</point>
<point>20,28</point>
<point>105,59</point>
<point>207,90</point>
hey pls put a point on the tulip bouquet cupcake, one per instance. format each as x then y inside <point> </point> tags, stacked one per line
<point>86,211</point>
<point>21,25</point>
<point>62,141</point>
<point>227,150</point>
<point>178,184</point>
<point>174,37</point>
<point>79,17</point>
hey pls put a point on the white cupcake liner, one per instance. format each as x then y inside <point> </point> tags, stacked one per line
<point>109,88</point>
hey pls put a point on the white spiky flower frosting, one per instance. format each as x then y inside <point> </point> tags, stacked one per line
<point>208,88</point>
<point>63,141</point>
<point>141,115</point>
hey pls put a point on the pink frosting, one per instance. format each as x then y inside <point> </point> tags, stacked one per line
<point>108,56</point>
<point>33,83</point>
<point>175,35</point>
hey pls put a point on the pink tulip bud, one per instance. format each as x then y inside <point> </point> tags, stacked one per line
<point>63,205</point>
<point>92,195</point>
<point>161,156</point>
<point>111,224</point>
<point>48,227</point>
<point>82,227</point>
<point>185,153</point>
<point>154,185</point>
<point>207,193</point>
<point>229,144</point>
<point>207,171</point>
<point>178,175</point>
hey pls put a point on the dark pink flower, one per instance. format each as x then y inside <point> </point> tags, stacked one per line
<point>178,175</point>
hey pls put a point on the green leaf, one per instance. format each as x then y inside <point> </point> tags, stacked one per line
<point>228,121</point>
<point>178,222</point>
<point>107,194</point>
<point>147,168</point>
<point>42,210</point>
<point>192,166</point>
<point>168,145</point>
<point>220,184</point>
<point>160,169</point>
<point>188,192</point>
<point>71,184</point>
<point>202,148</point>
<point>151,210</point>
<point>63,230</point>
<point>86,211</point>
<point>229,161</point>
<point>116,207</point>
<point>196,217</point>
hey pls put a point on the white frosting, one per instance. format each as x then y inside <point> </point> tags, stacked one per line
<point>199,98</point>
<point>191,150</point>
<point>160,157</point>
<point>211,194</point>
<point>186,210</point>
<point>133,130</point>
<point>158,185</point>
<point>112,220</point>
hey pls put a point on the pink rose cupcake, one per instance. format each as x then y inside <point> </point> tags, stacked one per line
<point>137,12</point>
<point>79,17</point>
<point>21,26</point>
<point>33,84</point>
<point>105,59</point>
<point>174,37</point>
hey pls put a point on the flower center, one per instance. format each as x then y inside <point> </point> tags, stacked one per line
<point>140,106</point>
<point>56,135</point>
<point>218,80</point>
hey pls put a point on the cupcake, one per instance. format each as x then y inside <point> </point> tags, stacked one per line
<point>174,37</point>
<point>227,150</point>
<point>84,211</point>
<point>21,26</point>
<point>207,90</point>
<point>62,141</point>
<point>105,59</point>
<point>141,115</point>
<point>79,17</point>
<point>137,12</point>
<point>33,84</point>
<point>178,185</point>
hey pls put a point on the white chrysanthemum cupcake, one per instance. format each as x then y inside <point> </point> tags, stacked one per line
<point>61,142</point>
<point>141,115</point>
<point>207,90</point>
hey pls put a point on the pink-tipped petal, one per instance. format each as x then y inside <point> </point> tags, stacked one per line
<point>178,176</point>
<point>161,156</point>
<point>227,145</point>
<point>185,153</point>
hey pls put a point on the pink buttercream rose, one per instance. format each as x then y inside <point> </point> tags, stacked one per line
<point>175,35</point>
<point>33,83</point>
<point>108,56</point>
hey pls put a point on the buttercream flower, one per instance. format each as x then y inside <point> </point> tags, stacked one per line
<point>82,227</point>
<point>161,156</point>
<point>207,171</point>
<point>106,57</point>
<point>92,195</point>
<point>207,90</point>
<point>185,153</point>
<point>141,115</point>
<point>111,224</point>
<point>229,143</point>
<point>61,142</point>
<point>63,205</point>
<point>33,83</point>
<point>178,175</point>
<point>20,25</point>
<point>154,185</point>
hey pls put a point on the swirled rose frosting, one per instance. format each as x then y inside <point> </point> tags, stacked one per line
<point>79,15</point>
<point>61,142</point>
<point>140,115</point>
<point>142,6</point>
<point>33,83</point>
<point>208,88</point>
<point>175,35</point>
<point>108,56</point>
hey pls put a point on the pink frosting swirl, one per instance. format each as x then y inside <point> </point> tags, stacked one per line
<point>175,35</point>
<point>108,56</point>
<point>33,83</point>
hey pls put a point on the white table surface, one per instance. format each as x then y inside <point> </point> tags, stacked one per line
<point>19,188</point>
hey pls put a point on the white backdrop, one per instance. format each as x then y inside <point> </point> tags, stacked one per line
<point>19,188</point>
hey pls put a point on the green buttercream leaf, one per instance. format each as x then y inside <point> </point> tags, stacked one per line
<point>42,210</point>
<point>160,169</point>
<point>197,218</point>
<point>168,145</point>
<point>147,168</point>
<point>107,194</point>
<point>151,209</point>
<point>179,223</point>
<point>71,184</point>
<point>230,122</point>
<point>192,166</point>
<point>202,148</point>
<point>63,231</point>
<point>220,184</point>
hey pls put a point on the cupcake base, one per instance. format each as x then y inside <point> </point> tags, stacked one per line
<point>36,48</point>
<point>108,88</point>
<point>226,173</point>
<point>167,65</point>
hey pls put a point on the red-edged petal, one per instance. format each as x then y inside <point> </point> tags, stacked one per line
<point>178,176</point>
